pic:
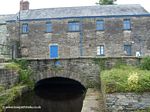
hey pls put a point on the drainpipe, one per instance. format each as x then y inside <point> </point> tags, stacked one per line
<point>81,37</point>
<point>19,41</point>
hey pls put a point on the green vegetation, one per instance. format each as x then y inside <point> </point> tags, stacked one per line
<point>2,88</point>
<point>106,2</point>
<point>9,95</point>
<point>125,78</point>
<point>13,66</point>
<point>24,71</point>
<point>145,64</point>
<point>25,80</point>
<point>101,62</point>
<point>146,110</point>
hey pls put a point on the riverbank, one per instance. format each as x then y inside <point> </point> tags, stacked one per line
<point>126,88</point>
<point>8,95</point>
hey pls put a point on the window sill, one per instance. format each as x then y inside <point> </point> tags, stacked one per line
<point>126,29</point>
<point>48,32</point>
<point>101,55</point>
<point>25,33</point>
<point>73,31</point>
<point>100,30</point>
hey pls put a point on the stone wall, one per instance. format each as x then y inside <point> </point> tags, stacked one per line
<point>8,78</point>
<point>85,71</point>
<point>3,40</point>
<point>35,44</point>
<point>127,102</point>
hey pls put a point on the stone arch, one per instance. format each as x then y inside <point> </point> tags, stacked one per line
<point>59,79</point>
<point>71,76</point>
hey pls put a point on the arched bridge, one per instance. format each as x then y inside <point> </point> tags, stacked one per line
<point>85,71</point>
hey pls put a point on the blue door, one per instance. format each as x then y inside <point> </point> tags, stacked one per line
<point>53,51</point>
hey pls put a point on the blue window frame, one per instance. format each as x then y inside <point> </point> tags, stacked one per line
<point>48,27</point>
<point>100,25</point>
<point>74,26</point>
<point>127,50</point>
<point>126,24</point>
<point>100,50</point>
<point>25,28</point>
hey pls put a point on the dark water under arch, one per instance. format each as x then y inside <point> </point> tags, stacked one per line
<point>52,95</point>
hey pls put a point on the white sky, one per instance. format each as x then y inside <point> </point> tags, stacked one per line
<point>12,6</point>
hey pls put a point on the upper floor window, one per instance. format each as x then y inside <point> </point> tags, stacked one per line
<point>100,25</point>
<point>25,28</point>
<point>74,26</point>
<point>48,27</point>
<point>126,24</point>
<point>100,50</point>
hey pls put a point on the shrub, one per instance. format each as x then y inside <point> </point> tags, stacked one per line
<point>25,77</point>
<point>133,81</point>
<point>125,79</point>
<point>13,66</point>
<point>2,88</point>
<point>25,73</point>
<point>145,64</point>
<point>23,63</point>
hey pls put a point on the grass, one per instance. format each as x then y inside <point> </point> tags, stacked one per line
<point>126,78</point>
<point>9,95</point>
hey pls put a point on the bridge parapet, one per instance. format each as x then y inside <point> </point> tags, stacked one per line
<point>86,70</point>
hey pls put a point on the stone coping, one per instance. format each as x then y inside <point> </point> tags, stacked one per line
<point>87,57</point>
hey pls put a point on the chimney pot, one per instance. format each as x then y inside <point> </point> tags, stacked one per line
<point>24,5</point>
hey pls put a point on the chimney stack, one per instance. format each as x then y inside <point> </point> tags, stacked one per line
<point>24,5</point>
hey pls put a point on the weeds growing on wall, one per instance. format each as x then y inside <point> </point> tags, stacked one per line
<point>24,71</point>
<point>100,62</point>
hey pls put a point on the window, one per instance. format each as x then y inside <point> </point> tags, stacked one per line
<point>25,28</point>
<point>48,27</point>
<point>100,25</point>
<point>100,50</point>
<point>127,50</point>
<point>74,26</point>
<point>126,24</point>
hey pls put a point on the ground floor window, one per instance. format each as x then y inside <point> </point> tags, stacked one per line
<point>127,50</point>
<point>100,50</point>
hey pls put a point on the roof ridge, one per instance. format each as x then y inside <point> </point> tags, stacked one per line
<point>7,14</point>
<point>83,6</point>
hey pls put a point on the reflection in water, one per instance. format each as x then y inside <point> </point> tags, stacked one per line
<point>52,96</point>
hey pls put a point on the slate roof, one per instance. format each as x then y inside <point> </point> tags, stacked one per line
<point>98,10</point>
<point>4,18</point>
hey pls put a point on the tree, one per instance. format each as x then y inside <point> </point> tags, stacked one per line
<point>106,2</point>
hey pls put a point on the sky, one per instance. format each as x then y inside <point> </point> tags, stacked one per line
<point>12,6</point>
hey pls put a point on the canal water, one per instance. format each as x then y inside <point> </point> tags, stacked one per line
<point>51,97</point>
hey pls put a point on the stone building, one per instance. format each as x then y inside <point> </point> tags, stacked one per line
<point>5,49</point>
<point>88,31</point>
